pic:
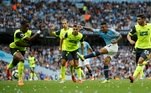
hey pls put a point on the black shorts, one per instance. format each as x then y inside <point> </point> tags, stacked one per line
<point>68,56</point>
<point>142,53</point>
<point>146,53</point>
<point>13,50</point>
<point>32,69</point>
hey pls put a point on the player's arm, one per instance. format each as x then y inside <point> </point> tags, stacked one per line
<point>60,45</point>
<point>82,39</point>
<point>90,49</point>
<point>82,47</point>
<point>88,29</point>
<point>52,31</point>
<point>118,38</point>
<point>130,34</point>
<point>61,40</point>
<point>33,36</point>
<point>21,42</point>
<point>55,33</point>
<point>117,35</point>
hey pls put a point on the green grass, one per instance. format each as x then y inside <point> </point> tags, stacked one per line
<point>115,86</point>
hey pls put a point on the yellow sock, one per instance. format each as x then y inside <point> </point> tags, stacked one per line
<point>82,73</point>
<point>78,70</point>
<point>63,72</point>
<point>137,71</point>
<point>10,66</point>
<point>142,72</point>
<point>20,70</point>
<point>31,75</point>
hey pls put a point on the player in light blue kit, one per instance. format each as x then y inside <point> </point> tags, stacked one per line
<point>84,49</point>
<point>111,38</point>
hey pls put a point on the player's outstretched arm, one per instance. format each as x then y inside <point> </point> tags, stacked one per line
<point>52,30</point>
<point>35,35</point>
<point>88,28</point>
<point>130,39</point>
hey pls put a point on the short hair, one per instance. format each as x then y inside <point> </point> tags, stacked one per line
<point>64,20</point>
<point>103,23</point>
<point>24,22</point>
<point>141,16</point>
<point>75,25</point>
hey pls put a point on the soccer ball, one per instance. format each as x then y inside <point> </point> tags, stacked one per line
<point>15,74</point>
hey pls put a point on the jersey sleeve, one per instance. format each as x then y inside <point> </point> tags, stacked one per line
<point>133,31</point>
<point>27,35</point>
<point>65,35</point>
<point>82,39</point>
<point>57,33</point>
<point>20,35</point>
<point>96,30</point>
<point>88,45</point>
<point>115,32</point>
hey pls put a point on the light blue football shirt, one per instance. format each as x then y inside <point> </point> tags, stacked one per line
<point>108,36</point>
<point>86,47</point>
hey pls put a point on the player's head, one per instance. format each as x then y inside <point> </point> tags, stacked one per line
<point>104,27</point>
<point>24,26</point>
<point>141,19</point>
<point>64,23</point>
<point>75,29</point>
<point>31,53</point>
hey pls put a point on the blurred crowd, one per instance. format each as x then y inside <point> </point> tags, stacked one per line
<point>121,66</point>
<point>120,16</point>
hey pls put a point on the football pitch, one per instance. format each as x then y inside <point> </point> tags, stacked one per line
<point>115,86</point>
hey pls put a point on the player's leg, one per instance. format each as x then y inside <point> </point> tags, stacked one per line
<point>139,67</point>
<point>76,65</point>
<point>83,74</point>
<point>87,64</point>
<point>111,49</point>
<point>9,67</point>
<point>138,53</point>
<point>137,70</point>
<point>63,67</point>
<point>107,60</point>
<point>97,53</point>
<point>20,67</point>
<point>93,54</point>
<point>11,64</point>
<point>72,68</point>
<point>142,75</point>
<point>73,65</point>
<point>78,69</point>
<point>32,73</point>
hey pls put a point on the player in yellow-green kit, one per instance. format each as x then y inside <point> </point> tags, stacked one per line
<point>142,45</point>
<point>22,38</point>
<point>60,34</point>
<point>71,40</point>
<point>32,64</point>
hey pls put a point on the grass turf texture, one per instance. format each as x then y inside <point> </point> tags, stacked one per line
<point>115,86</point>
